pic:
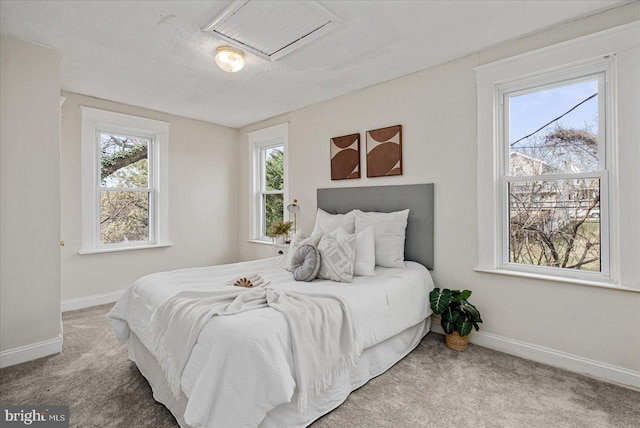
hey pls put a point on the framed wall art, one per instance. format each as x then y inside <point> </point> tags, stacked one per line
<point>384,151</point>
<point>345,157</point>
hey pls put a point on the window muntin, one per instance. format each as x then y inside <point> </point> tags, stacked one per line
<point>124,193</point>
<point>554,176</point>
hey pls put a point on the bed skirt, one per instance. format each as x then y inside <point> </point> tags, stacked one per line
<point>372,362</point>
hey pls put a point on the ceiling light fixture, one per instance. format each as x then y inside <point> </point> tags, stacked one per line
<point>229,59</point>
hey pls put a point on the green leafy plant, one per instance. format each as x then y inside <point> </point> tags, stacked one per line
<point>278,228</point>
<point>456,312</point>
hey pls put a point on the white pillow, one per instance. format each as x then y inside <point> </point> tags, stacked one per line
<point>299,240</point>
<point>365,262</point>
<point>389,235</point>
<point>326,223</point>
<point>337,256</point>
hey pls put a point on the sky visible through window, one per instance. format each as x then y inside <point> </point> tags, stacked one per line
<point>529,112</point>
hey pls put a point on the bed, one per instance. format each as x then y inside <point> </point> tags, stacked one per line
<point>244,368</point>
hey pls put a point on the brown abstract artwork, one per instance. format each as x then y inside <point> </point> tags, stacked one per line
<point>384,151</point>
<point>345,157</point>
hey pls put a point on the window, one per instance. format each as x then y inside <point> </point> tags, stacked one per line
<point>553,182</point>
<point>125,195</point>
<point>269,173</point>
<point>124,186</point>
<point>554,176</point>
<point>272,186</point>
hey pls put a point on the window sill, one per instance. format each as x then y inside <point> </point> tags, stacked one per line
<point>115,250</point>
<point>608,285</point>
<point>273,244</point>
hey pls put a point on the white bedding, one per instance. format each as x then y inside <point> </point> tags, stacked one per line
<point>234,380</point>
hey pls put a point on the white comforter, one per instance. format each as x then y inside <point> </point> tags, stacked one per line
<point>242,366</point>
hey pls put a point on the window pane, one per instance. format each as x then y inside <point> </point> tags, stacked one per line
<point>273,209</point>
<point>554,131</point>
<point>274,168</point>
<point>124,216</point>
<point>555,223</point>
<point>124,161</point>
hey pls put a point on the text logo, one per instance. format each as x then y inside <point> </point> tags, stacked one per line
<point>34,416</point>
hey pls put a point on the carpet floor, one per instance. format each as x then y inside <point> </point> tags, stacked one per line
<point>432,387</point>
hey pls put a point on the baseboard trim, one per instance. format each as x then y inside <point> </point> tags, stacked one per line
<point>30,352</point>
<point>552,357</point>
<point>87,302</point>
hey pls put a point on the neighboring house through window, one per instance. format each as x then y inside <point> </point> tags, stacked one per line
<point>547,150</point>
<point>124,181</point>
<point>268,178</point>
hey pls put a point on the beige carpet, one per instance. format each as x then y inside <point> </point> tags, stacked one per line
<point>431,387</point>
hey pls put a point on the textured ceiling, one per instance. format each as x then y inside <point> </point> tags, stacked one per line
<point>154,54</point>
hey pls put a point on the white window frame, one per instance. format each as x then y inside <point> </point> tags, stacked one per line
<point>565,62</point>
<point>600,69</point>
<point>95,121</point>
<point>277,135</point>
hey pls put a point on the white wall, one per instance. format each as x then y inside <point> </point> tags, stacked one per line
<point>29,200</point>
<point>590,327</point>
<point>202,206</point>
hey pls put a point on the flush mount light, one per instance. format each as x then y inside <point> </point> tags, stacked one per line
<point>229,59</point>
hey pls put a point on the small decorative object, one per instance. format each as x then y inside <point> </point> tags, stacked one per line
<point>459,316</point>
<point>251,280</point>
<point>384,151</point>
<point>305,263</point>
<point>294,209</point>
<point>345,157</point>
<point>243,282</point>
<point>279,229</point>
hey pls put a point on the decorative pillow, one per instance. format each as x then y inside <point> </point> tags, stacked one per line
<point>389,235</point>
<point>306,263</point>
<point>365,262</point>
<point>326,222</point>
<point>337,256</point>
<point>298,240</point>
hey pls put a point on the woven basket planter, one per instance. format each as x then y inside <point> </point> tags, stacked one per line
<point>455,342</point>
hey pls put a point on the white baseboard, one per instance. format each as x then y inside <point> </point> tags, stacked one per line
<point>552,357</point>
<point>33,351</point>
<point>86,302</point>
<point>30,352</point>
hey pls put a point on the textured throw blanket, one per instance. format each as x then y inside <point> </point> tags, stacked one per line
<point>321,328</point>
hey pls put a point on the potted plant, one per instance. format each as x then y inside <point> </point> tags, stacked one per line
<point>459,316</point>
<point>279,229</point>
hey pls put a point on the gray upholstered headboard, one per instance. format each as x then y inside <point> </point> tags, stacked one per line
<point>418,198</point>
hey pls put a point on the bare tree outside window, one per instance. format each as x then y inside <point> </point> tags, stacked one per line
<point>124,188</point>
<point>554,203</point>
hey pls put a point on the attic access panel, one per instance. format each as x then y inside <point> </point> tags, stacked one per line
<point>272,29</point>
